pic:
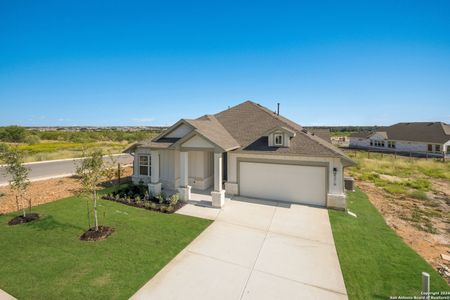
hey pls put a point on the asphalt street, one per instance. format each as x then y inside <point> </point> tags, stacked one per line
<point>57,168</point>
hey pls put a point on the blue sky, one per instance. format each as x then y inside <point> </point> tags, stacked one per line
<point>152,63</point>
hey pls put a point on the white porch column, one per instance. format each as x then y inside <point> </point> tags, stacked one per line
<point>154,186</point>
<point>184,189</point>
<point>136,164</point>
<point>155,166</point>
<point>218,195</point>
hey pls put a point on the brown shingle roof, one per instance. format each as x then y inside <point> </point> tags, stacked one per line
<point>323,133</point>
<point>210,127</point>
<point>426,132</point>
<point>247,123</point>
<point>243,127</point>
<point>361,134</point>
<point>431,132</point>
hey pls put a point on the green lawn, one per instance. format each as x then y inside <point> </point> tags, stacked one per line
<point>376,263</point>
<point>46,260</point>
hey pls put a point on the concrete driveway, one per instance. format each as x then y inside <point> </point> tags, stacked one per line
<point>255,250</point>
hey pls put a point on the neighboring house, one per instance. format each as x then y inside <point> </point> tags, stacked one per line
<point>245,150</point>
<point>323,133</point>
<point>420,138</point>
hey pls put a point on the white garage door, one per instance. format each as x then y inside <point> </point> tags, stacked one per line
<point>293,183</point>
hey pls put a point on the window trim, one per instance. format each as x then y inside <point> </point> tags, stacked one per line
<point>148,165</point>
<point>379,143</point>
<point>280,135</point>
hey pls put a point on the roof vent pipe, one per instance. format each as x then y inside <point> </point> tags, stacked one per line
<point>278,109</point>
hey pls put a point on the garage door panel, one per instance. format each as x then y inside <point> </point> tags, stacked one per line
<point>293,183</point>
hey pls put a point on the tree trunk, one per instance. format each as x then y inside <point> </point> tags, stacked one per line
<point>23,207</point>
<point>29,205</point>
<point>95,211</point>
<point>17,202</point>
<point>88,213</point>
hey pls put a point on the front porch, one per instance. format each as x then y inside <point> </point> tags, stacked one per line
<point>200,205</point>
<point>199,168</point>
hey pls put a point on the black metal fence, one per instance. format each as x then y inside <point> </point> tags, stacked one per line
<point>412,154</point>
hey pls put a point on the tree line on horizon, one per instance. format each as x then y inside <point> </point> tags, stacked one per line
<point>19,134</point>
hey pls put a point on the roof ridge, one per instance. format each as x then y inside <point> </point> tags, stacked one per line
<point>314,138</point>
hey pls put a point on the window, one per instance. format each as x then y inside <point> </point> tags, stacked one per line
<point>437,148</point>
<point>391,144</point>
<point>144,165</point>
<point>371,143</point>
<point>278,139</point>
<point>448,149</point>
<point>378,143</point>
<point>430,147</point>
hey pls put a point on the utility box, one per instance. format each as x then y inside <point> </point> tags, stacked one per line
<point>349,184</point>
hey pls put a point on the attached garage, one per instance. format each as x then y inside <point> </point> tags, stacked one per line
<point>285,182</point>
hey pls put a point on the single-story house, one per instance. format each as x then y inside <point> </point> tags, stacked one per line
<point>420,138</point>
<point>245,150</point>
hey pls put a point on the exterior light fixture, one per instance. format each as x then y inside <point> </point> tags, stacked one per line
<point>334,175</point>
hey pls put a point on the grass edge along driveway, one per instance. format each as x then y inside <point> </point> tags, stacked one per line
<point>46,260</point>
<point>375,261</point>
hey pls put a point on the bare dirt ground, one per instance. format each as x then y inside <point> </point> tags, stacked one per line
<point>409,218</point>
<point>44,191</point>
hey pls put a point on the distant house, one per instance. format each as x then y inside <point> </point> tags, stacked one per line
<point>420,138</point>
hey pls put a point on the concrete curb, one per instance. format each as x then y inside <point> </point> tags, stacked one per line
<point>64,159</point>
<point>51,177</point>
<point>5,296</point>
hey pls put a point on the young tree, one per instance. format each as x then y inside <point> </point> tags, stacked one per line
<point>110,171</point>
<point>90,171</point>
<point>18,174</point>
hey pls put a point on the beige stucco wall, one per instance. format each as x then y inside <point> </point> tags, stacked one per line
<point>200,168</point>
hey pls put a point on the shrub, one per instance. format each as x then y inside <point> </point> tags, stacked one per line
<point>141,188</point>
<point>170,209</point>
<point>430,228</point>
<point>421,195</point>
<point>394,188</point>
<point>3,147</point>
<point>174,199</point>
<point>419,184</point>
<point>32,139</point>
<point>13,134</point>
<point>160,198</point>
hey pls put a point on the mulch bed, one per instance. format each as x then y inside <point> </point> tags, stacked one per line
<point>176,207</point>
<point>92,235</point>
<point>21,219</point>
